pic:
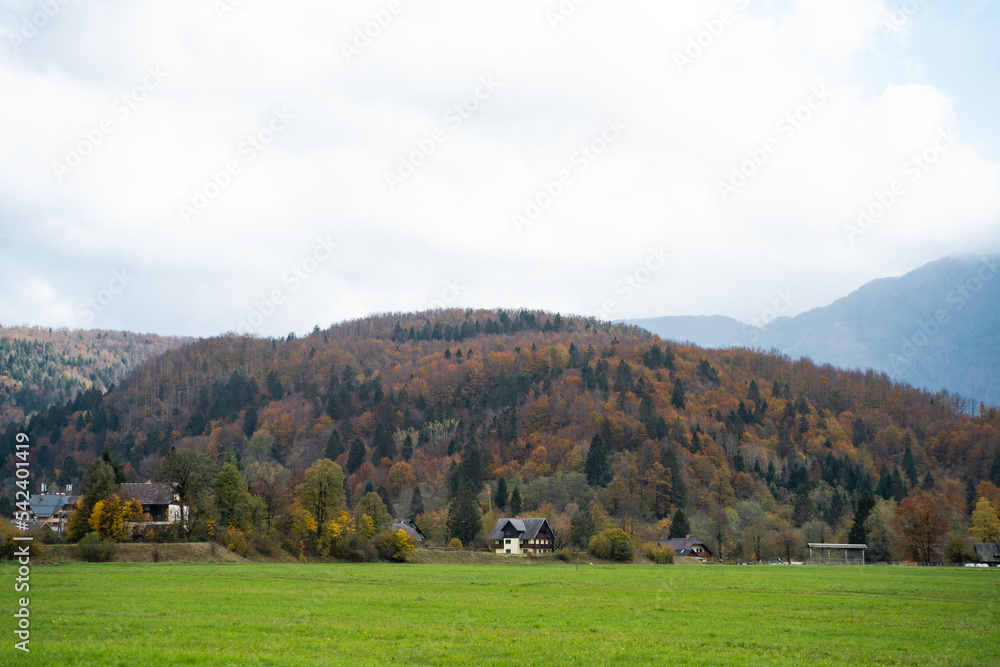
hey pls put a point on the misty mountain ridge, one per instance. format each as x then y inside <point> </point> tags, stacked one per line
<point>937,327</point>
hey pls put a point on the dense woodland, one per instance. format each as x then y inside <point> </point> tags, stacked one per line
<point>40,367</point>
<point>458,417</point>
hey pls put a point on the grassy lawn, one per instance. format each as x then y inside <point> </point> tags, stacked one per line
<point>524,614</point>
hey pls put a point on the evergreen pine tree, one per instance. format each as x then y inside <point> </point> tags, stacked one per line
<point>383,493</point>
<point>909,467</point>
<point>679,527</point>
<point>334,446</point>
<point>383,446</point>
<point>500,496</point>
<point>465,519</point>
<point>407,451</point>
<point>516,503</point>
<point>416,503</point>
<point>596,468</point>
<point>677,398</point>
<point>356,456</point>
<point>865,505</point>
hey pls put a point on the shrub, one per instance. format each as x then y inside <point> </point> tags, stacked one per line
<point>234,540</point>
<point>394,545</point>
<point>455,543</point>
<point>563,554</point>
<point>658,554</point>
<point>612,544</point>
<point>95,550</point>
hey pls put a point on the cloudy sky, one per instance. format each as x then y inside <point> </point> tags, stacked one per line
<point>199,166</point>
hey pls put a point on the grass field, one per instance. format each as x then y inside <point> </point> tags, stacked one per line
<point>524,614</point>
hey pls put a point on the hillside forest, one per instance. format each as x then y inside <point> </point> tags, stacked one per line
<point>311,445</point>
<point>40,367</point>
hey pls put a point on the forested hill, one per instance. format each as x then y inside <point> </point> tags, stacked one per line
<point>40,367</point>
<point>566,410</point>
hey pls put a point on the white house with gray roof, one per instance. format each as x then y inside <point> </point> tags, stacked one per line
<point>521,536</point>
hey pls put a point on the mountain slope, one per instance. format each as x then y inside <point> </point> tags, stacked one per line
<point>937,327</point>
<point>40,366</point>
<point>572,412</point>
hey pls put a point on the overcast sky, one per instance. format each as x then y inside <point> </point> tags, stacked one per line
<point>199,166</point>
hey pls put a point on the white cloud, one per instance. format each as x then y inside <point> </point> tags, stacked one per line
<point>656,184</point>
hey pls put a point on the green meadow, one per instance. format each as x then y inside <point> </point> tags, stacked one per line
<point>517,614</point>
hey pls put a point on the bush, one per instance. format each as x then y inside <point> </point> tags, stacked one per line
<point>95,550</point>
<point>358,550</point>
<point>455,543</point>
<point>394,545</point>
<point>659,555</point>
<point>612,544</point>
<point>264,544</point>
<point>234,540</point>
<point>9,546</point>
<point>563,555</point>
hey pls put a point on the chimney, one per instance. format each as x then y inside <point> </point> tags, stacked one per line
<point>687,537</point>
<point>148,481</point>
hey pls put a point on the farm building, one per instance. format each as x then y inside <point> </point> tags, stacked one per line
<point>160,501</point>
<point>989,553</point>
<point>521,536</point>
<point>410,528</point>
<point>51,510</point>
<point>822,553</point>
<point>688,546</point>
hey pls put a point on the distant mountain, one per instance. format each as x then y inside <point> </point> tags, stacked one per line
<point>937,327</point>
<point>41,366</point>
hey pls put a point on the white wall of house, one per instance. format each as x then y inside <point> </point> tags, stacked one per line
<point>511,543</point>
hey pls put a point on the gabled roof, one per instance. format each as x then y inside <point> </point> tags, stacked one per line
<point>409,528</point>
<point>45,505</point>
<point>682,546</point>
<point>989,552</point>
<point>149,493</point>
<point>528,528</point>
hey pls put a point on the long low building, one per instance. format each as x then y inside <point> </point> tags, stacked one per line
<point>837,554</point>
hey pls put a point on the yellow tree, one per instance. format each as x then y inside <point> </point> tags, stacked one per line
<point>111,516</point>
<point>985,522</point>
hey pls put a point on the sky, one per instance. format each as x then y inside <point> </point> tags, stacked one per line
<point>202,166</point>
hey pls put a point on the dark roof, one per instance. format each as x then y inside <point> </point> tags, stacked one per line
<point>410,528</point>
<point>149,493</point>
<point>989,552</point>
<point>528,528</point>
<point>45,505</point>
<point>682,546</point>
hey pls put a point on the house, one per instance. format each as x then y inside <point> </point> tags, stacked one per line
<point>989,553</point>
<point>410,528</point>
<point>51,510</point>
<point>160,502</point>
<point>521,536</point>
<point>688,546</point>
